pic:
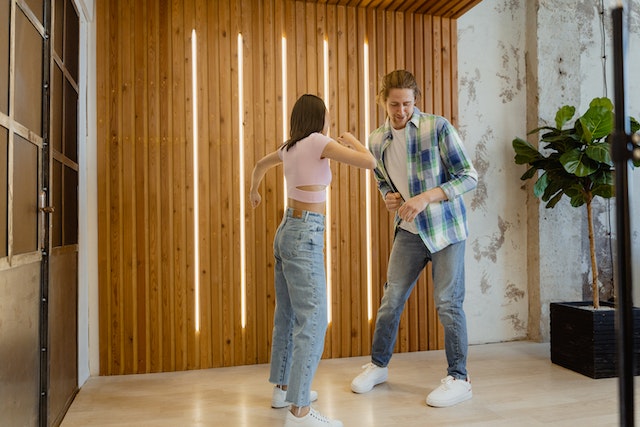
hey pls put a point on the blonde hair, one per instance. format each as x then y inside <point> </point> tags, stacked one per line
<point>398,79</point>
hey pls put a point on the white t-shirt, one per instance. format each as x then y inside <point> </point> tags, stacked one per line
<point>395,161</point>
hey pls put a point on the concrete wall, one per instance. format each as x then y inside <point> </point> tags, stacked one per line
<point>519,61</point>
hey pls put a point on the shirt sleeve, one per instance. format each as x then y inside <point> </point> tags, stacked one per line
<point>463,176</point>
<point>375,147</point>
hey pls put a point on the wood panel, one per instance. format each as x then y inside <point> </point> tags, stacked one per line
<point>453,9</point>
<point>153,290</point>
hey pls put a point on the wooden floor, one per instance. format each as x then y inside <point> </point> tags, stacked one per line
<point>514,384</point>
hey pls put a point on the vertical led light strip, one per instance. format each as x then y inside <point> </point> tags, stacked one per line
<point>285,119</point>
<point>243,257</point>
<point>196,201</point>
<point>325,54</point>
<point>367,127</point>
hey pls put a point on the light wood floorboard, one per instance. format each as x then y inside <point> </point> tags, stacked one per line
<point>514,384</point>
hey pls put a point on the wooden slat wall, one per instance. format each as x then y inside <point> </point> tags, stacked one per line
<point>145,145</point>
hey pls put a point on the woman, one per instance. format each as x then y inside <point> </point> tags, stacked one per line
<point>300,318</point>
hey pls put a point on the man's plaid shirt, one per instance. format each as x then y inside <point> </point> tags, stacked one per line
<point>435,158</point>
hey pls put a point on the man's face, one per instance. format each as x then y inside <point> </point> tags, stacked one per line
<point>399,107</point>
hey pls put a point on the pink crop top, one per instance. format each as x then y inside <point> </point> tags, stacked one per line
<point>304,165</point>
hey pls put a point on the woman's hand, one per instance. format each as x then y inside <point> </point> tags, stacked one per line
<point>348,140</point>
<point>255,198</point>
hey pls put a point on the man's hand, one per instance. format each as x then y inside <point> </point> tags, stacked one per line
<point>412,207</point>
<point>393,201</point>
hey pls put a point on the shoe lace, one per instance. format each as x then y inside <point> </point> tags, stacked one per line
<point>318,416</point>
<point>369,367</point>
<point>446,382</point>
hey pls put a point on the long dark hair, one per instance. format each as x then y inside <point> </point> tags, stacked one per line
<point>307,117</point>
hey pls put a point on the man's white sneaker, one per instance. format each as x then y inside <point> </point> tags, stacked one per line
<point>451,392</point>
<point>279,398</point>
<point>312,419</point>
<point>369,378</point>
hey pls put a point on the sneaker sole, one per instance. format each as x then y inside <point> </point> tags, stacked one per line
<point>358,390</point>
<point>451,402</point>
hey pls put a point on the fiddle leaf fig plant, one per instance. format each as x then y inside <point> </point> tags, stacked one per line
<point>574,161</point>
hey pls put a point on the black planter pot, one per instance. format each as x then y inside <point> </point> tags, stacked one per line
<point>585,341</point>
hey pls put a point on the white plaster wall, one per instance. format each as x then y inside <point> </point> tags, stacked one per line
<point>88,346</point>
<point>492,107</point>
<point>494,39</point>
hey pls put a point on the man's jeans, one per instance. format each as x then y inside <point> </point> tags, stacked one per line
<point>408,258</point>
<point>300,318</point>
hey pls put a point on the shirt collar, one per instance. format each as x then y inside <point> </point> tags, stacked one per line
<point>415,120</point>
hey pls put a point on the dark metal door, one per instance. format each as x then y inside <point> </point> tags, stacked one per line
<point>38,274</point>
<point>63,254</point>
<point>22,231</point>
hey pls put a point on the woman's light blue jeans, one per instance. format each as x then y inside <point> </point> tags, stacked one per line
<point>409,256</point>
<point>300,318</point>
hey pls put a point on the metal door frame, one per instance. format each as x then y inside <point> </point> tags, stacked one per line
<point>45,203</point>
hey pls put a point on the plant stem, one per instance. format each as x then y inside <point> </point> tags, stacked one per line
<point>592,251</point>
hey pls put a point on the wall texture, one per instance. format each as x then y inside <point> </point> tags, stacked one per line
<point>492,108</point>
<point>514,73</point>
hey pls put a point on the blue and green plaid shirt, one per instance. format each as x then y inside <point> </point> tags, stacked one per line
<point>435,158</point>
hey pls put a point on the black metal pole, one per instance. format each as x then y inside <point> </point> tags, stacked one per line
<point>621,157</point>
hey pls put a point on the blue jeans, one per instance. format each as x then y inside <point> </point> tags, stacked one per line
<point>408,258</point>
<point>300,318</point>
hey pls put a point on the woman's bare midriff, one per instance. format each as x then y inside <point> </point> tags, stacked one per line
<point>312,207</point>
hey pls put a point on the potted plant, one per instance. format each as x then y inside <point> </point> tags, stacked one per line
<point>574,160</point>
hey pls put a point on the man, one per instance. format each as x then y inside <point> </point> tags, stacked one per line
<point>422,171</point>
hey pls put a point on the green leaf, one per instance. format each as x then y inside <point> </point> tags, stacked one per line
<point>605,191</point>
<point>600,152</point>
<point>604,176</point>
<point>576,162</point>
<point>577,200</point>
<point>557,183</point>
<point>541,184</point>
<point>554,201</point>
<point>525,152</point>
<point>528,174</point>
<point>564,114</point>
<point>602,102</point>
<point>574,191</point>
<point>596,123</point>
<point>536,130</point>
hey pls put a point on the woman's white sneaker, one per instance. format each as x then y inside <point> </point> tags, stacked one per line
<point>369,378</point>
<point>450,392</point>
<point>312,419</point>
